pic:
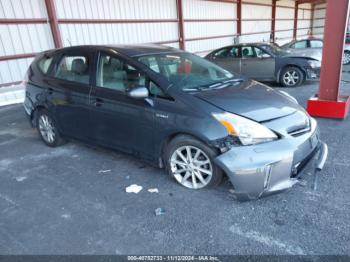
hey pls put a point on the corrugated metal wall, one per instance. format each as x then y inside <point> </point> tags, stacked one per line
<point>256,20</point>
<point>113,31</point>
<point>207,25</point>
<point>16,39</point>
<point>318,20</point>
<point>201,22</point>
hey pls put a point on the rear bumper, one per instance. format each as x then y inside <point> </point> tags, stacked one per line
<point>268,168</point>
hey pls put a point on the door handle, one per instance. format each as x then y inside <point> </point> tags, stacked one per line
<point>98,102</point>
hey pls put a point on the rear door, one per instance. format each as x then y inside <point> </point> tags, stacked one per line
<point>118,120</point>
<point>68,92</point>
<point>257,63</point>
<point>228,58</point>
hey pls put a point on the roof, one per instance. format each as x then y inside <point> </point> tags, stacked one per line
<point>131,50</point>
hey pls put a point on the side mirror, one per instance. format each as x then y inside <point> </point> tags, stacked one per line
<point>138,92</point>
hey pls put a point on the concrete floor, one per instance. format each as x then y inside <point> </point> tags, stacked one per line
<point>57,201</point>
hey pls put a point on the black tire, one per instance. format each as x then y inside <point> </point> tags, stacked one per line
<point>181,141</point>
<point>56,138</point>
<point>346,58</point>
<point>288,76</point>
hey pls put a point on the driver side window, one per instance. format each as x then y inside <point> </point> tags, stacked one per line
<point>113,73</point>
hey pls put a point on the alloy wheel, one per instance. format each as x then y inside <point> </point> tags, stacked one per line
<point>346,58</point>
<point>291,78</point>
<point>47,129</point>
<point>191,167</point>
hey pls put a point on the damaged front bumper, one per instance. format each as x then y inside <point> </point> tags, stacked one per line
<point>272,167</point>
<point>313,73</point>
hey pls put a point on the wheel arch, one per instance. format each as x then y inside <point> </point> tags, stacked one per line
<point>172,136</point>
<point>34,114</point>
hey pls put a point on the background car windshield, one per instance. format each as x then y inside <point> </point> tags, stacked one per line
<point>274,49</point>
<point>186,71</point>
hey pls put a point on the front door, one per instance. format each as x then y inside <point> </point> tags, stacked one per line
<point>257,63</point>
<point>228,58</point>
<point>118,120</point>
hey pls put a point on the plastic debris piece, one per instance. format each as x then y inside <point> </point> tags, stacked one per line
<point>153,190</point>
<point>20,178</point>
<point>159,211</point>
<point>104,171</point>
<point>133,189</point>
<point>302,182</point>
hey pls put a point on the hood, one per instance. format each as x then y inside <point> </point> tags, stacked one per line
<point>304,53</point>
<point>251,99</point>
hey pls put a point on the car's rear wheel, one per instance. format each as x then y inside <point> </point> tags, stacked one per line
<point>190,162</point>
<point>346,58</point>
<point>291,76</point>
<point>47,129</point>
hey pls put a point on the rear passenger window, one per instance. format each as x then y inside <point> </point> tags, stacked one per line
<point>316,44</point>
<point>44,64</point>
<point>113,73</point>
<point>300,44</point>
<point>74,68</point>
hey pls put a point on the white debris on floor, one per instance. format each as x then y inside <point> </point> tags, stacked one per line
<point>133,189</point>
<point>105,171</point>
<point>66,216</point>
<point>20,178</point>
<point>153,190</point>
<point>159,211</point>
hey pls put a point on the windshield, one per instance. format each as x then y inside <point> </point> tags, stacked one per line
<point>275,49</point>
<point>186,71</point>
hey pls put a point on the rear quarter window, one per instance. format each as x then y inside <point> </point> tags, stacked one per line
<point>44,64</point>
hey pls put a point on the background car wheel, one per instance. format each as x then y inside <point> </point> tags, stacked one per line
<point>291,77</point>
<point>346,58</point>
<point>190,162</point>
<point>47,129</point>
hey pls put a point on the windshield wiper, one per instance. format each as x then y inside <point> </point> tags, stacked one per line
<point>216,85</point>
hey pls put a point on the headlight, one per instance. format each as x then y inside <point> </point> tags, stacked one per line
<point>247,131</point>
<point>314,63</point>
<point>289,96</point>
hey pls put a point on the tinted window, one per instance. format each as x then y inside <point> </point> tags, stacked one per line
<point>300,44</point>
<point>186,71</point>
<point>113,73</point>
<point>247,51</point>
<point>44,64</point>
<point>316,44</point>
<point>74,68</point>
<point>227,52</point>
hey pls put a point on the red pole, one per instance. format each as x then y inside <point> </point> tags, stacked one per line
<point>295,28</point>
<point>329,103</point>
<point>239,17</point>
<point>273,20</point>
<point>333,48</point>
<point>51,13</point>
<point>180,24</point>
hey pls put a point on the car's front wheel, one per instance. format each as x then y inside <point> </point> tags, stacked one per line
<point>190,162</point>
<point>291,77</point>
<point>47,129</point>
